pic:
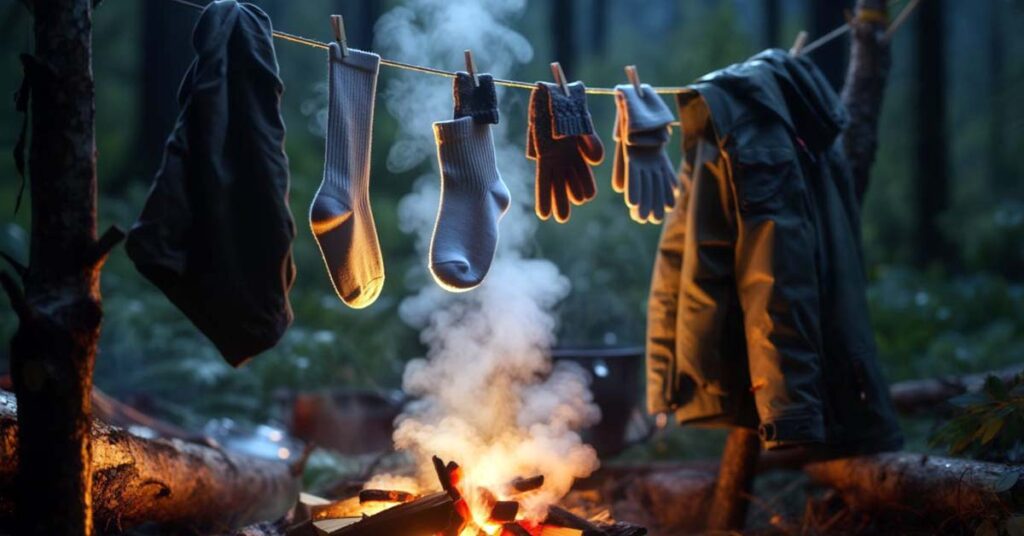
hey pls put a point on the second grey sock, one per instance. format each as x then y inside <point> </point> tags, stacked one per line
<point>473,200</point>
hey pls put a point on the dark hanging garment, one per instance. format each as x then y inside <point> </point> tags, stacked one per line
<point>758,315</point>
<point>215,234</point>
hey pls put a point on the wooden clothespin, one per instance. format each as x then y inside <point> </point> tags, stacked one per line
<point>559,74</point>
<point>471,67</point>
<point>798,44</point>
<point>634,79</point>
<point>338,25</point>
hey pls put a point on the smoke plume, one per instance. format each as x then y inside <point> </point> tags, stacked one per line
<point>488,395</point>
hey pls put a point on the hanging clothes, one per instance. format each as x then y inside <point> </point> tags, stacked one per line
<point>215,234</point>
<point>560,137</point>
<point>757,315</point>
<point>641,168</point>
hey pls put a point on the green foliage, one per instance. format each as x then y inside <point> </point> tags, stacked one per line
<point>990,423</point>
<point>929,324</point>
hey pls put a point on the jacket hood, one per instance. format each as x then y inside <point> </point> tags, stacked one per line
<point>791,88</point>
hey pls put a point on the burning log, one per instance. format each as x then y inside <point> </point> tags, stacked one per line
<point>170,482</point>
<point>385,495</point>
<point>504,512</point>
<point>445,474</point>
<point>522,485</point>
<point>560,517</point>
<point>431,514</point>
<point>550,530</point>
<point>514,529</point>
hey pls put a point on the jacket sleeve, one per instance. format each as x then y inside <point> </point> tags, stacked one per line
<point>776,277</point>
<point>662,306</point>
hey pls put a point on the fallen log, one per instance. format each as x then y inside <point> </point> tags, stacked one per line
<point>167,481</point>
<point>928,487</point>
<point>916,396</point>
<point>925,486</point>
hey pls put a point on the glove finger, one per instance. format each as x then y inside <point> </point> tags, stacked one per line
<point>586,179</point>
<point>591,148</point>
<point>573,186</point>
<point>619,170</point>
<point>646,202</point>
<point>590,187</point>
<point>634,214</point>
<point>561,198</point>
<point>542,195</point>
<point>658,196</point>
<point>634,185</point>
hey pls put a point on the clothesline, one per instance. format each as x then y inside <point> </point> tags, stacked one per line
<point>670,90</point>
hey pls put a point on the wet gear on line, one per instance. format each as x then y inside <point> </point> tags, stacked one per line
<point>215,233</point>
<point>561,139</point>
<point>757,314</point>
<point>641,168</point>
<point>340,216</point>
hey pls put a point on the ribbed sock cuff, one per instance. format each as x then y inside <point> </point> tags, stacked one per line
<point>465,151</point>
<point>365,61</point>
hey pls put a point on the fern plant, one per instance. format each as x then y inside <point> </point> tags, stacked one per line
<point>989,423</point>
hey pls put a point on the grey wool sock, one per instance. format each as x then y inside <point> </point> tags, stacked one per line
<point>340,216</point>
<point>473,200</point>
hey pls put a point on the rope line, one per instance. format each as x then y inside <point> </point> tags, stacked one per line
<point>810,47</point>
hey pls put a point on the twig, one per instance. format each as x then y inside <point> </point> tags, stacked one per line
<point>102,247</point>
<point>901,18</point>
<point>298,466</point>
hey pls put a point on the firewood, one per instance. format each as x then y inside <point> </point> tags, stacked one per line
<point>385,495</point>
<point>444,476</point>
<point>560,517</point>
<point>513,529</point>
<point>429,514</point>
<point>504,511</point>
<point>175,483</point>
<point>522,485</point>
<point>327,527</point>
<point>350,507</point>
<point>550,530</point>
<point>623,529</point>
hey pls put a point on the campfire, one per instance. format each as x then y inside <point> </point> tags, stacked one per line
<point>459,508</point>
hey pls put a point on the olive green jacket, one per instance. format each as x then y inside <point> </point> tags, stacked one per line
<point>757,314</point>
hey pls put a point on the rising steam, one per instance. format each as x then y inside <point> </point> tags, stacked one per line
<point>488,394</point>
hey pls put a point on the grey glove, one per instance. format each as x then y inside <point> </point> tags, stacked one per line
<point>642,169</point>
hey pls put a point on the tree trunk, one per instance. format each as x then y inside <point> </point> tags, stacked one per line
<point>166,53</point>
<point>598,28</point>
<point>830,58</point>
<point>54,348</point>
<point>184,485</point>
<point>864,90</point>
<point>772,24</point>
<point>931,170</point>
<point>563,39</point>
<point>735,480</point>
